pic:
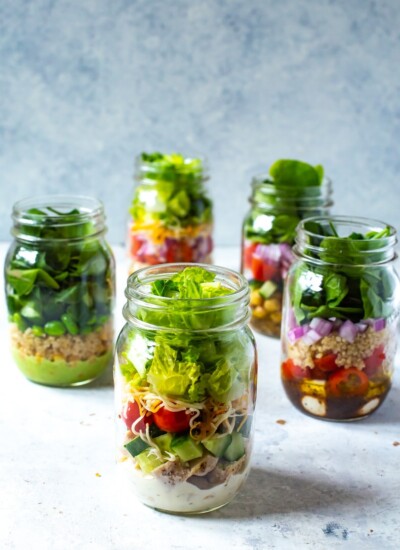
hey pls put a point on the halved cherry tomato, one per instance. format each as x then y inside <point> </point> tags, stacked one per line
<point>263,271</point>
<point>349,381</point>
<point>318,374</point>
<point>131,413</point>
<point>290,371</point>
<point>248,254</point>
<point>327,363</point>
<point>171,421</point>
<point>374,362</point>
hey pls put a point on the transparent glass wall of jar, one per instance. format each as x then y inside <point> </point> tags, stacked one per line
<point>171,213</point>
<point>59,283</point>
<point>341,315</point>
<point>267,237</point>
<point>185,385</point>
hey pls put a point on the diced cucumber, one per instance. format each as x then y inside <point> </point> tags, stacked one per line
<point>163,442</point>
<point>218,445</point>
<point>136,446</point>
<point>267,289</point>
<point>236,448</point>
<point>148,461</point>
<point>186,448</point>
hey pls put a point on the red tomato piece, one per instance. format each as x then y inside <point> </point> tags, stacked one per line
<point>171,421</point>
<point>327,363</point>
<point>186,252</point>
<point>374,362</point>
<point>263,271</point>
<point>172,250</point>
<point>131,413</point>
<point>136,243</point>
<point>290,371</point>
<point>347,382</point>
<point>318,374</point>
<point>248,254</point>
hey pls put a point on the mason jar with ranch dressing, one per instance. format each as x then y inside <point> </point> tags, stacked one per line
<point>341,314</point>
<point>185,387</point>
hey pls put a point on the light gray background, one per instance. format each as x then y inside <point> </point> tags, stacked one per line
<point>87,84</point>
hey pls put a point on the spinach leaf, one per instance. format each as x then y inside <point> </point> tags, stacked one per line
<point>69,283</point>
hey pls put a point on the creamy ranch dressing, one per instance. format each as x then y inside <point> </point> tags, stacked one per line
<point>182,497</point>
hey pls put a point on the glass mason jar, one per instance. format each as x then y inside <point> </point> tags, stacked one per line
<point>171,214</point>
<point>268,234</point>
<point>59,276</point>
<point>185,385</point>
<point>341,311</point>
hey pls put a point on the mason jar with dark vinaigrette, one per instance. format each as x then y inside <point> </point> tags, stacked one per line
<point>340,324</point>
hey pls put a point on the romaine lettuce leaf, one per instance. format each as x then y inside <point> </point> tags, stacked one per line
<point>175,378</point>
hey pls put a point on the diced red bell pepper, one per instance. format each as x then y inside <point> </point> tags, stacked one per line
<point>263,271</point>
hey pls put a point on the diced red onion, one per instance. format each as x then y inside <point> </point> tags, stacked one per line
<point>361,327</point>
<point>311,337</point>
<point>296,333</point>
<point>269,253</point>
<point>348,331</point>
<point>286,252</point>
<point>322,326</point>
<point>291,319</point>
<point>376,324</point>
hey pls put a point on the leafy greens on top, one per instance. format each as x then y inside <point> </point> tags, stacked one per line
<point>348,287</point>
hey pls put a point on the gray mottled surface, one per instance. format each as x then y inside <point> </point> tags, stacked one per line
<point>313,484</point>
<point>87,84</point>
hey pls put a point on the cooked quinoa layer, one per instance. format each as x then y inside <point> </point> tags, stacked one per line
<point>348,354</point>
<point>81,347</point>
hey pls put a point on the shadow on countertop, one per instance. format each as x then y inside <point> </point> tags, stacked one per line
<point>271,492</point>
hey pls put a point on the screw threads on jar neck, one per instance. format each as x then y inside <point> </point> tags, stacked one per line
<point>152,312</point>
<point>269,197</point>
<point>58,217</point>
<point>323,239</point>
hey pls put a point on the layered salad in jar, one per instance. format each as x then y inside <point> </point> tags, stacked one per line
<point>171,214</point>
<point>59,290</point>
<point>185,399</point>
<point>340,326</point>
<point>291,191</point>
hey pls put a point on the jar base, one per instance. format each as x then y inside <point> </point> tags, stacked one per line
<point>61,373</point>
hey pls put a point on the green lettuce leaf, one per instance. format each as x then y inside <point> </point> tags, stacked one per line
<point>175,378</point>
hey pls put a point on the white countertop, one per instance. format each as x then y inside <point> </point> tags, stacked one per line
<point>313,484</point>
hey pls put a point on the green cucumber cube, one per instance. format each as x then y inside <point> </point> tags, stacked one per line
<point>186,448</point>
<point>236,448</point>
<point>148,461</point>
<point>267,289</point>
<point>136,446</point>
<point>218,445</point>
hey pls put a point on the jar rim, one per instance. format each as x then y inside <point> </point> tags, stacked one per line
<point>143,167</point>
<point>136,295</point>
<point>308,197</point>
<point>305,248</point>
<point>90,209</point>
